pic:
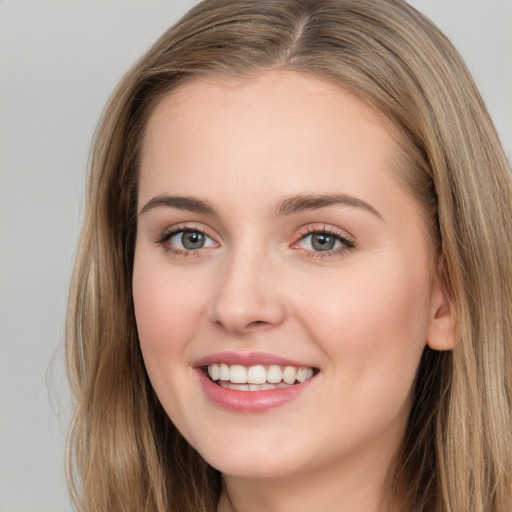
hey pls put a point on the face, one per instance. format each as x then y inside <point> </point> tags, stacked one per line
<point>277,251</point>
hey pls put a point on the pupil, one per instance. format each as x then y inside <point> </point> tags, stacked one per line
<point>192,240</point>
<point>323,242</point>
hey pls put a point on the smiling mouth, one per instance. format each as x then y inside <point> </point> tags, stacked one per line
<point>257,377</point>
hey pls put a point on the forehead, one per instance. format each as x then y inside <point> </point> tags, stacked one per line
<point>274,121</point>
<point>286,95</point>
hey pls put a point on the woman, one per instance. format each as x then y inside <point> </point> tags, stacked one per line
<point>293,287</point>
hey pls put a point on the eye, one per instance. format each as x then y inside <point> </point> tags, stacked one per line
<point>190,240</point>
<point>184,242</point>
<point>324,240</point>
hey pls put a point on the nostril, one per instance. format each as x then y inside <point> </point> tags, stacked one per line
<point>257,324</point>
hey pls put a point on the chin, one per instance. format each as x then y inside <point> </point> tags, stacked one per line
<point>251,461</point>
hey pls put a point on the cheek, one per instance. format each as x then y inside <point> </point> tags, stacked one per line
<point>372,328</point>
<point>165,315</point>
<point>372,321</point>
<point>168,316</point>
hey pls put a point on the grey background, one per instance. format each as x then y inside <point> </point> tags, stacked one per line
<point>58,63</point>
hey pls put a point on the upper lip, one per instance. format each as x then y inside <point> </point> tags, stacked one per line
<point>248,359</point>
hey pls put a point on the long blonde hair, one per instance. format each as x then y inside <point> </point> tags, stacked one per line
<point>124,454</point>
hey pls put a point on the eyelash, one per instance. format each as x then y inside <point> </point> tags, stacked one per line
<point>346,243</point>
<point>166,236</point>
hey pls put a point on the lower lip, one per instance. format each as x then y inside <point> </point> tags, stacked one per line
<point>251,401</point>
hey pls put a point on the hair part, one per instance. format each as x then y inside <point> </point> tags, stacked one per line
<point>124,453</point>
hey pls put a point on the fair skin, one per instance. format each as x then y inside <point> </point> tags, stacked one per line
<point>237,261</point>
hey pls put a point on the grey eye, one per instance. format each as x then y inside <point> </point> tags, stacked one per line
<point>191,240</point>
<point>323,241</point>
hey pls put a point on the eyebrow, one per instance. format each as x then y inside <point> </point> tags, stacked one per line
<point>294,204</point>
<point>191,204</point>
<point>300,203</point>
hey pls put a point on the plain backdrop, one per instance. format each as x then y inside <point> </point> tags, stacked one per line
<point>59,60</point>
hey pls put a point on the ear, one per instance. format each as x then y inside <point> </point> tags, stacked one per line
<point>442,330</point>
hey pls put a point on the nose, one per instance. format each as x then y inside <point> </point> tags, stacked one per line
<point>247,297</point>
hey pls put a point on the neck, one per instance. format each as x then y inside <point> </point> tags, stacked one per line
<point>355,486</point>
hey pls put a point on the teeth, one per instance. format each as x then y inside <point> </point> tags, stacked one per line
<point>304,374</point>
<point>223,372</point>
<point>258,377</point>
<point>274,374</point>
<point>251,387</point>
<point>237,374</point>
<point>289,374</point>
<point>214,371</point>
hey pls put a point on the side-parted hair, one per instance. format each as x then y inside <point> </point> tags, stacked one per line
<point>124,454</point>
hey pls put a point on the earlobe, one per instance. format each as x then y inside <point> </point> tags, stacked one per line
<point>442,331</point>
